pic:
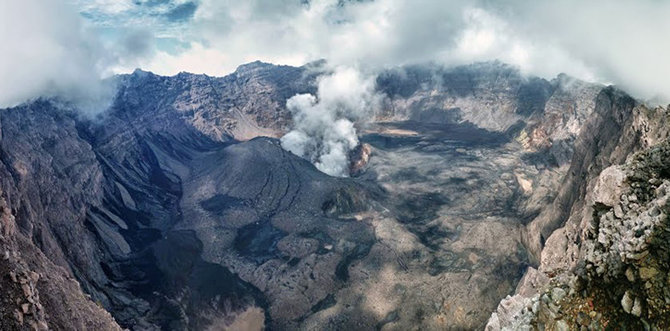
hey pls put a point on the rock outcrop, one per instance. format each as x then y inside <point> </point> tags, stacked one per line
<point>610,260</point>
<point>36,293</point>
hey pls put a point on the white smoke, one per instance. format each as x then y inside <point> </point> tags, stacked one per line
<point>324,131</point>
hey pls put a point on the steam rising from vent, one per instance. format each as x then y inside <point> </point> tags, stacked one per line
<point>324,131</point>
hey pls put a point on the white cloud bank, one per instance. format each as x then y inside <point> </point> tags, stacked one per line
<point>47,52</point>
<point>622,42</point>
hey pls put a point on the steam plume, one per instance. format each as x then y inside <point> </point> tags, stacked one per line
<point>324,130</point>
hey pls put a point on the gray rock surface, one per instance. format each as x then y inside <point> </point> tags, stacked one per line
<point>36,293</point>
<point>617,275</point>
<point>173,213</point>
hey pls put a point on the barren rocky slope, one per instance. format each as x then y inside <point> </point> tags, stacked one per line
<point>36,293</point>
<point>607,264</point>
<point>172,213</point>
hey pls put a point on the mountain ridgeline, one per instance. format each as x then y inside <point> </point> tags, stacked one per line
<point>177,207</point>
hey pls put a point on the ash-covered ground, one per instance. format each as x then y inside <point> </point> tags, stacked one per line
<point>447,230</point>
<point>427,234</point>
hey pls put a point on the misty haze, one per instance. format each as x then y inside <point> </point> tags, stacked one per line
<point>334,165</point>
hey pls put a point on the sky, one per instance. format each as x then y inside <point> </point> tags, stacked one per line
<point>57,47</point>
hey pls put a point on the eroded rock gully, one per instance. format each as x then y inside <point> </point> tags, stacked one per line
<point>178,209</point>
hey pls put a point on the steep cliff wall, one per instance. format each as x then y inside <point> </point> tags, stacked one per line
<point>38,294</point>
<point>607,265</point>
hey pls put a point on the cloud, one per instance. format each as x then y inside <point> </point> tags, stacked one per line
<point>324,131</point>
<point>198,59</point>
<point>106,6</point>
<point>137,43</point>
<point>620,42</point>
<point>182,12</point>
<point>52,48</point>
<point>47,52</point>
<point>46,48</point>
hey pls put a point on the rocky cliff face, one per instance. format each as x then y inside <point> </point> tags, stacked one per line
<point>177,209</point>
<point>248,103</point>
<point>38,294</point>
<point>606,264</point>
